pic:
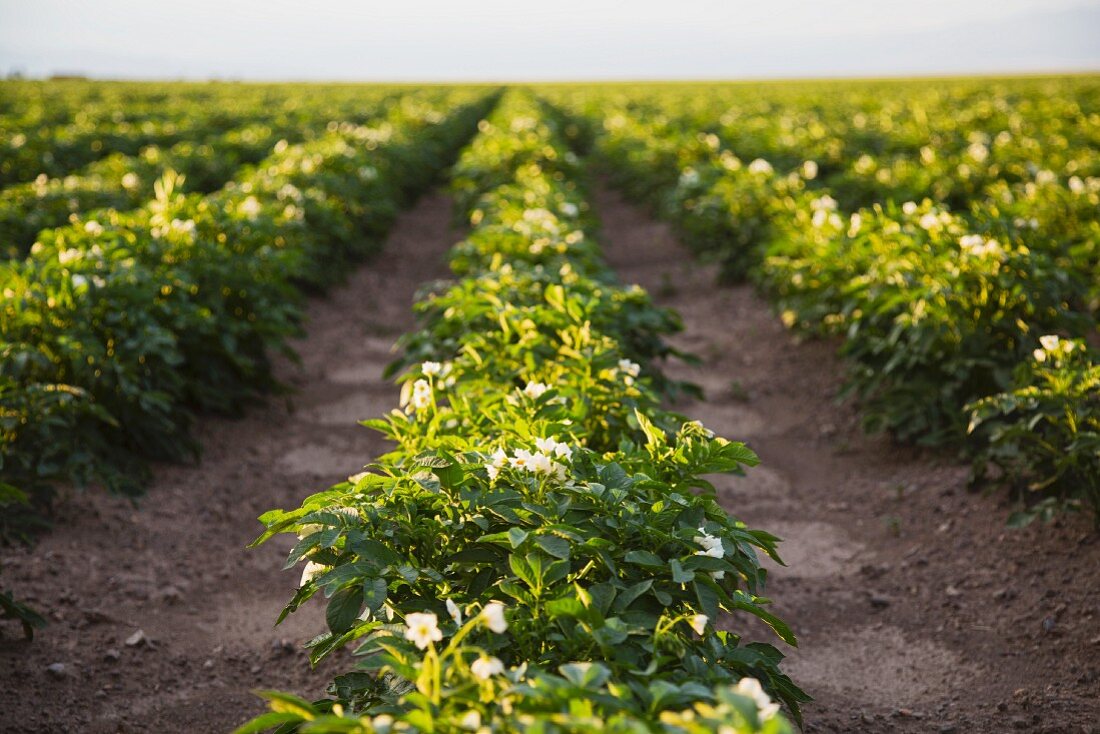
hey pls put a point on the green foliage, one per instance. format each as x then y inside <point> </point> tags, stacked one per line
<point>1045,433</point>
<point>120,326</point>
<point>541,549</point>
<point>937,229</point>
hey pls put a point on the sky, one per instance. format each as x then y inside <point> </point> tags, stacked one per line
<point>506,40</point>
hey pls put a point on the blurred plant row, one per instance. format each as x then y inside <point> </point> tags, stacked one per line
<point>948,233</point>
<point>121,325</point>
<point>54,128</point>
<point>540,551</point>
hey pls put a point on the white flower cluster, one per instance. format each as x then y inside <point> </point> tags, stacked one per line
<point>629,370</point>
<point>934,220</point>
<point>712,545</point>
<point>538,221</point>
<point>1051,346</point>
<point>712,548</point>
<point>440,372</point>
<point>182,228</point>
<point>760,166</point>
<point>978,152</point>
<point>421,395</point>
<point>250,208</point>
<point>751,688</point>
<point>977,246</point>
<point>68,256</point>
<point>689,177</point>
<point>542,461</point>
<point>422,629</point>
<point>534,390</point>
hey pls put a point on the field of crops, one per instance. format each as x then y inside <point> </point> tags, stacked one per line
<point>572,512</point>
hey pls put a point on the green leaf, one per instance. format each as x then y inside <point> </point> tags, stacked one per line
<point>555,546</point>
<point>585,675</point>
<point>679,575</point>
<point>343,609</point>
<point>516,536</point>
<point>644,558</point>
<point>374,593</point>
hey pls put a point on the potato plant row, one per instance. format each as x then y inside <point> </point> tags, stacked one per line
<point>540,551</point>
<point>966,327</point>
<point>55,128</point>
<point>205,160</point>
<point>119,327</point>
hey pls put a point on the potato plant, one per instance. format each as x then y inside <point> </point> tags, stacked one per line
<point>938,240</point>
<point>541,549</point>
<point>120,326</point>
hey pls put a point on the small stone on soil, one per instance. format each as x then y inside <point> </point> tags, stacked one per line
<point>57,670</point>
<point>880,601</point>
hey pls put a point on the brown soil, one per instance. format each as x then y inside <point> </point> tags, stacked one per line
<point>175,565</point>
<point>918,611</point>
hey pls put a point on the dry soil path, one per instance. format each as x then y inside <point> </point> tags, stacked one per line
<point>916,609</point>
<point>175,566</point>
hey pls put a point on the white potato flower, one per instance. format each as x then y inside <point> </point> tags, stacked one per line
<point>67,256</point>
<point>454,611</point>
<point>698,623</point>
<point>1050,342</point>
<point>250,207</point>
<point>909,208</point>
<point>471,720</point>
<point>493,614</point>
<point>311,571</point>
<point>854,224</point>
<point>712,545</point>
<point>93,227</point>
<point>929,221</point>
<point>486,667</point>
<point>534,390</point>
<point>431,369</point>
<point>499,461</point>
<point>422,395</point>
<point>978,151</point>
<point>551,446</point>
<point>760,166</point>
<point>751,688</point>
<point>422,628</point>
<point>809,170</point>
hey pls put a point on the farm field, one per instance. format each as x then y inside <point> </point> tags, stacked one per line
<point>759,406</point>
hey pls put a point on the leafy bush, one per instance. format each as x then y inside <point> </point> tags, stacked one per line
<point>541,518</point>
<point>1045,434</point>
<point>122,324</point>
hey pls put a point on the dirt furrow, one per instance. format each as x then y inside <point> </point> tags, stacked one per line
<point>175,567</point>
<point>916,608</point>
